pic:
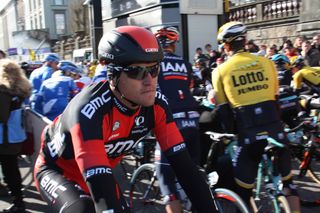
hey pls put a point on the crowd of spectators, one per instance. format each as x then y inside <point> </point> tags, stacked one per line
<point>204,61</point>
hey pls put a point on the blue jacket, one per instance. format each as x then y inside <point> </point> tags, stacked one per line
<point>36,79</point>
<point>16,131</point>
<point>54,95</point>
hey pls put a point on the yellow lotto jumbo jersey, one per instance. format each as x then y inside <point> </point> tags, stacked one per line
<point>309,74</point>
<point>245,79</point>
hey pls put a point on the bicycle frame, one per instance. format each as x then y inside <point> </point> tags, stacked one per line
<point>269,174</point>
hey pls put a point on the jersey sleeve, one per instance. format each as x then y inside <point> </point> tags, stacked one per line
<point>297,80</point>
<point>165,129</point>
<point>217,84</point>
<point>275,77</point>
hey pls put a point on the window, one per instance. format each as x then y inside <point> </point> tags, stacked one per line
<point>60,23</point>
<point>58,2</point>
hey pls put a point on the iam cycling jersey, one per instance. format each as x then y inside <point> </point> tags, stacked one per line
<point>307,74</point>
<point>174,81</point>
<point>245,79</point>
<point>96,130</point>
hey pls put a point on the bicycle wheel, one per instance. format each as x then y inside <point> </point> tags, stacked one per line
<point>266,204</point>
<point>144,190</point>
<point>283,204</point>
<point>228,201</point>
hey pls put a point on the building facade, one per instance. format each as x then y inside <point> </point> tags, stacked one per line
<point>196,20</point>
<point>274,21</point>
<point>30,28</point>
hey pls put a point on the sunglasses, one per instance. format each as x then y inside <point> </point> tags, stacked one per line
<point>140,73</point>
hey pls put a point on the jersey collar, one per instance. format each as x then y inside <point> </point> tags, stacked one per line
<point>123,108</point>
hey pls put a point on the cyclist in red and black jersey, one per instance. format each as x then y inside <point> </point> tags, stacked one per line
<point>105,121</point>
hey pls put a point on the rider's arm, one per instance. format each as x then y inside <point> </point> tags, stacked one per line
<point>92,161</point>
<point>191,180</point>
<point>217,84</point>
<point>189,176</point>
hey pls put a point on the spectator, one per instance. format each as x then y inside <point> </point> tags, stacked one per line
<point>290,51</point>
<point>271,51</point>
<point>41,74</point>
<point>263,50</point>
<point>213,57</point>
<point>199,55</point>
<point>316,42</point>
<point>311,55</point>
<point>14,88</point>
<point>208,48</point>
<point>298,44</point>
<point>286,43</point>
<point>252,47</point>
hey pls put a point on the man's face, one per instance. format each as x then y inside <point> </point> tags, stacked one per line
<point>271,52</point>
<point>306,46</point>
<point>316,40</point>
<point>142,92</point>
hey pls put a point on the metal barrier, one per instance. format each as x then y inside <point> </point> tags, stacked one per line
<point>34,124</point>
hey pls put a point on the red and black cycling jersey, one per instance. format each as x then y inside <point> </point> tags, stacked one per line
<point>174,81</point>
<point>96,130</point>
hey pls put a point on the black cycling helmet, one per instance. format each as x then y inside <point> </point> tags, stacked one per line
<point>232,31</point>
<point>167,35</point>
<point>128,45</point>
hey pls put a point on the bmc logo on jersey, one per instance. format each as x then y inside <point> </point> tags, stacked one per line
<point>167,66</point>
<point>98,170</point>
<point>56,143</point>
<point>51,186</point>
<point>90,108</point>
<point>149,50</point>
<point>117,148</point>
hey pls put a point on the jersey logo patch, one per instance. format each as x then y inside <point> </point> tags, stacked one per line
<point>116,126</point>
<point>115,149</point>
<point>176,67</point>
<point>139,120</point>
<point>90,108</point>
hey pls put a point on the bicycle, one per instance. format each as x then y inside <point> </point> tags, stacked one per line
<point>145,191</point>
<point>143,153</point>
<point>273,200</point>
<point>304,138</point>
<point>267,174</point>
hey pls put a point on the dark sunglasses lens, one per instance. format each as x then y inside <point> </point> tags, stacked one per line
<point>140,73</point>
